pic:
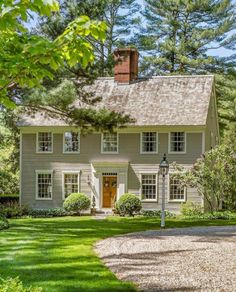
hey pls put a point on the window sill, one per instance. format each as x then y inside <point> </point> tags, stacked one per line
<point>109,152</point>
<point>149,201</point>
<point>43,199</point>
<point>71,152</point>
<point>176,201</point>
<point>44,152</point>
<point>146,153</point>
<point>177,152</point>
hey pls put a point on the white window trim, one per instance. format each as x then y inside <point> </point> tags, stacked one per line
<point>168,191</point>
<point>112,152</point>
<point>36,184</point>
<point>37,143</point>
<point>63,145</point>
<point>141,143</point>
<point>63,180</point>
<point>140,190</point>
<point>185,143</point>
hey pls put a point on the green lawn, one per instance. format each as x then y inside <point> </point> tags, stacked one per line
<point>57,254</point>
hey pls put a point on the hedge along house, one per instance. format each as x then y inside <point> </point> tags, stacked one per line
<point>175,115</point>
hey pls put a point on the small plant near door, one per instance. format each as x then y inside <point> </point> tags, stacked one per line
<point>76,202</point>
<point>93,209</point>
<point>128,204</point>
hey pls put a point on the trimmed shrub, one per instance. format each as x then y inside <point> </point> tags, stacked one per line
<point>128,204</point>
<point>224,215</point>
<point>14,284</point>
<point>76,202</point>
<point>3,222</point>
<point>9,199</point>
<point>52,212</point>
<point>157,213</point>
<point>13,210</point>
<point>191,209</point>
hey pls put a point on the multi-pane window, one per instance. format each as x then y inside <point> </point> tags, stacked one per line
<point>110,143</point>
<point>71,142</point>
<point>149,186</point>
<point>71,183</point>
<point>149,142</point>
<point>44,185</point>
<point>177,142</point>
<point>44,142</point>
<point>176,190</point>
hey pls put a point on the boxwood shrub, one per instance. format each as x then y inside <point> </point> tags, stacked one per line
<point>157,213</point>
<point>128,204</point>
<point>13,210</point>
<point>52,212</point>
<point>76,202</point>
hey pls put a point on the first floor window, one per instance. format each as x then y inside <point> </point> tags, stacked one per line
<point>177,142</point>
<point>149,142</point>
<point>110,143</point>
<point>44,185</point>
<point>71,142</point>
<point>149,186</point>
<point>177,191</point>
<point>44,142</point>
<point>71,183</point>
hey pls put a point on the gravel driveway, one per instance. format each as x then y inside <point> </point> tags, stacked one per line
<point>183,259</point>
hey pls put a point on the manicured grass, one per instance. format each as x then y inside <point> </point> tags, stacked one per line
<point>57,254</point>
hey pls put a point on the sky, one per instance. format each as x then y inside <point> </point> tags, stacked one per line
<point>222,52</point>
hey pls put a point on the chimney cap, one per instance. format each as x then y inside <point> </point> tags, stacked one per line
<point>128,49</point>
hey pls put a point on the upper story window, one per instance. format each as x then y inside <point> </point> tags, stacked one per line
<point>149,186</point>
<point>44,142</point>
<point>177,142</point>
<point>176,190</point>
<point>71,142</point>
<point>149,142</point>
<point>71,184</point>
<point>44,185</point>
<point>109,143</point>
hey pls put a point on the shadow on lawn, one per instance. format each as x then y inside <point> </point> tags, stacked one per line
<point>57,254</point>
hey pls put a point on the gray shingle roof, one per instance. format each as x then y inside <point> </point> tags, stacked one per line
<point>170,100</point>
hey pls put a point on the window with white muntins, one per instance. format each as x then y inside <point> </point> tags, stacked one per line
<point>71,142</point>
<point>44,185</point>
<point>177,142</point>
<point>149,142</point>
<point>71,184</point>
<point>109,143</point>
<point>176,190</point>
<point>44,142</point>
<point>149,186</point>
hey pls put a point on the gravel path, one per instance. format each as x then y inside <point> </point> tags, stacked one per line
<point>186,259</point>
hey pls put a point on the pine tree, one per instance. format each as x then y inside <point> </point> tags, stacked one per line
<point>179,34</point>
<point>119,15</point>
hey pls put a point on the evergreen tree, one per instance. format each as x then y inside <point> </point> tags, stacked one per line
<point>120,17</point>
<point>179,33</point>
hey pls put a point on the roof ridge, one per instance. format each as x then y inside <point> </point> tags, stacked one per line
<point>182,76</point>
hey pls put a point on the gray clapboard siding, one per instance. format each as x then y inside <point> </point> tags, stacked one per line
<point>129,150</point>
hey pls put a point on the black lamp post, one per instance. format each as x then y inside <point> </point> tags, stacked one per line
<point>164,169</point>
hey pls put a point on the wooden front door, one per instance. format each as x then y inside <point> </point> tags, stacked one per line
<point>109,191</point>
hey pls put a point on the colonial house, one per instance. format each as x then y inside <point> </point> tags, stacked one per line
<point>176,115</point>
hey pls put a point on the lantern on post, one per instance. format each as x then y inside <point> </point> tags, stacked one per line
<point>164,169</point>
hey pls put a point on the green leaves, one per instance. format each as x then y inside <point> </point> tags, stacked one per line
<point>26,59</point>
<point>75,43</point>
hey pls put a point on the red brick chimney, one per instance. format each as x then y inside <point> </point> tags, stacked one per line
<point>126,66</point>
